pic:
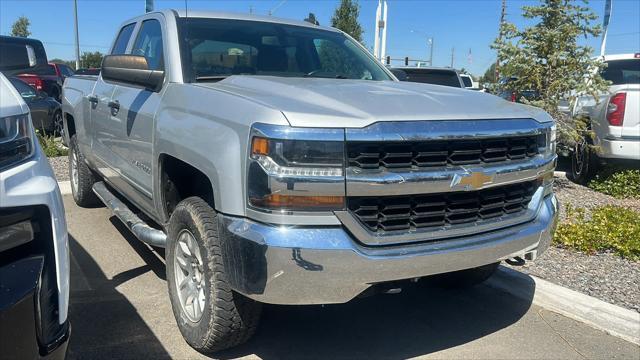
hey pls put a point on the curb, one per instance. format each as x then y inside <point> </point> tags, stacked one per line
<point>65,187</point>
<point>612,319</point>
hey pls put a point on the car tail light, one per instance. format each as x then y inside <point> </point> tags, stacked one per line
<point>615,109</point>
<point>38,84</point>
<point>514,97</point>
<point>636,55</point>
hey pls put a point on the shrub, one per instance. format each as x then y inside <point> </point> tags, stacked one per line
<point>50,146</point>
<point>610,227</point>
<point>618,183</point>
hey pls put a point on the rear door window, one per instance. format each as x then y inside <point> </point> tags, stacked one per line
<point>120,45</point>
<point>436,77</point>
<point>467,81</point>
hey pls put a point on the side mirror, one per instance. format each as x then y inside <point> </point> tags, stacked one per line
<point>131,69</point>
<point>401,75</point>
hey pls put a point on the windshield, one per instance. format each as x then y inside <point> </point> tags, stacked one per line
<point>216,48</point>
<point>433,76</point>
<point>622,71</point>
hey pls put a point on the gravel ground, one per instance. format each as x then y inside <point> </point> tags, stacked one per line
<point>60,167</point>
<point>605,276</point>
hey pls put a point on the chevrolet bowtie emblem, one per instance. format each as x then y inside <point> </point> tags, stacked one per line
<point>472,180</point>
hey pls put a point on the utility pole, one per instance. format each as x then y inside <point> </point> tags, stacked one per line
<point>75,17</point>
<point>453,51</point>
<point>500,34</point>
<point>430,41</point>
<point>380,39</point>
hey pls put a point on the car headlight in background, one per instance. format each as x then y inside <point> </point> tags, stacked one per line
<point>16,140</point>
<point>290,174</point>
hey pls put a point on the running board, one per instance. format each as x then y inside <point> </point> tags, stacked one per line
<point>138,227</point>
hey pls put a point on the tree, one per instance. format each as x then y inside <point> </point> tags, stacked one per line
<point>490,75</point>
<point>345,18</point>
<point>69,63</point>
<point>91,59</point>
<point>20,28</point>
<point>547,59</point>
<point>312,19</point>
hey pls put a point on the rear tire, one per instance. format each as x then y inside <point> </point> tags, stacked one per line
<point>584,163</point>
<point>209,314</point>
<point>463,278</point>
<point>82,178</point>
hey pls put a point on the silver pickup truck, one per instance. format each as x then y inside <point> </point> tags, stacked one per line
<point>278,162</point>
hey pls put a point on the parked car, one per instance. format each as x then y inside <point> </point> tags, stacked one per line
<point>508,92</point>
<point>279,162</point>
<point>87,71</point>
<point>34,253</point>
<point>48,78</point>
<point>432,75</point>
<point>469,83</point>
<point>614,120</point>
<point>46,112</point>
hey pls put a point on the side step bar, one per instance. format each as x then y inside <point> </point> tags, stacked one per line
<point>138,227</point>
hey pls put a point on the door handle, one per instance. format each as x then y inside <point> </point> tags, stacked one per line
<point>115,107</point>
<point>92,99</point>
<point>114,104</point>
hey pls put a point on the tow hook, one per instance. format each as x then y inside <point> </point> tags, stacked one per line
<point>515,261</point>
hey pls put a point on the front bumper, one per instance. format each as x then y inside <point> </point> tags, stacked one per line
<point>323,265</point>
<point>21,283</point>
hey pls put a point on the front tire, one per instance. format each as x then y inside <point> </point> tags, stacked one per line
<point>82,178</point>
<point>209,314</point>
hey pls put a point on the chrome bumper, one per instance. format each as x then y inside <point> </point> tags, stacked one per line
<point>323,265</point>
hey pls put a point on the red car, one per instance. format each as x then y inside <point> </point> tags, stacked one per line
<point>48,78</point>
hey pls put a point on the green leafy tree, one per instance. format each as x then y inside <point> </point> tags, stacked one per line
<point>489,75</point>
<point>547,58</point>
<point>345,18</point>
<point>91,59</point>
<point>69,63</point>
<point>20,28</point>
<point>312,19</point>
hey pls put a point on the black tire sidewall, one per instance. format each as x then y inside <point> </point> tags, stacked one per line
<point>184,218</point>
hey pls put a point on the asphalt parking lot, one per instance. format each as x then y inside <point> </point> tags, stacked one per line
<point>120,309</point>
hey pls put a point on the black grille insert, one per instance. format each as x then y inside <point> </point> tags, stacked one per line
<point>441,210</point>
<point>439,153</point>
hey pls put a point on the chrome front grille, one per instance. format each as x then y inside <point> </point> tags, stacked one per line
<point>440,211</point>
<point>441,153</point>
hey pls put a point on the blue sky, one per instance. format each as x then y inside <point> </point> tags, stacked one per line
<point>462,24</point>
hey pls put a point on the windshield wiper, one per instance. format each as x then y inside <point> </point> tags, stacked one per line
<point>326,75</point>
<point>212,78</point>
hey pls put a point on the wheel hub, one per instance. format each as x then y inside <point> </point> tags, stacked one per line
<point>189,276</point>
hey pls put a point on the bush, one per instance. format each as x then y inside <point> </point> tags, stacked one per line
<point>620,183</point>
<point>612,228</point>
<point>50,146</point>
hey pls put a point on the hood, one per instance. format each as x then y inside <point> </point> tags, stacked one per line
<point>11,103</point>
<point>315,102</point>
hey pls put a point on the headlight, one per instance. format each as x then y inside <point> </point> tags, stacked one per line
<point>296,174</point>
<point>16,141</point>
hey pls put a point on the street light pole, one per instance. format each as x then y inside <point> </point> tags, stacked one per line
<point>430,41</point>
<point>75,17</point>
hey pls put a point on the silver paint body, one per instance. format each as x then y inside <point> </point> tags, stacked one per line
<point>209,126</point>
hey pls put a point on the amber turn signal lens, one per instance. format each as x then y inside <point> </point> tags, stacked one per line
<point>277,201</point>
<point>259,146</point>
